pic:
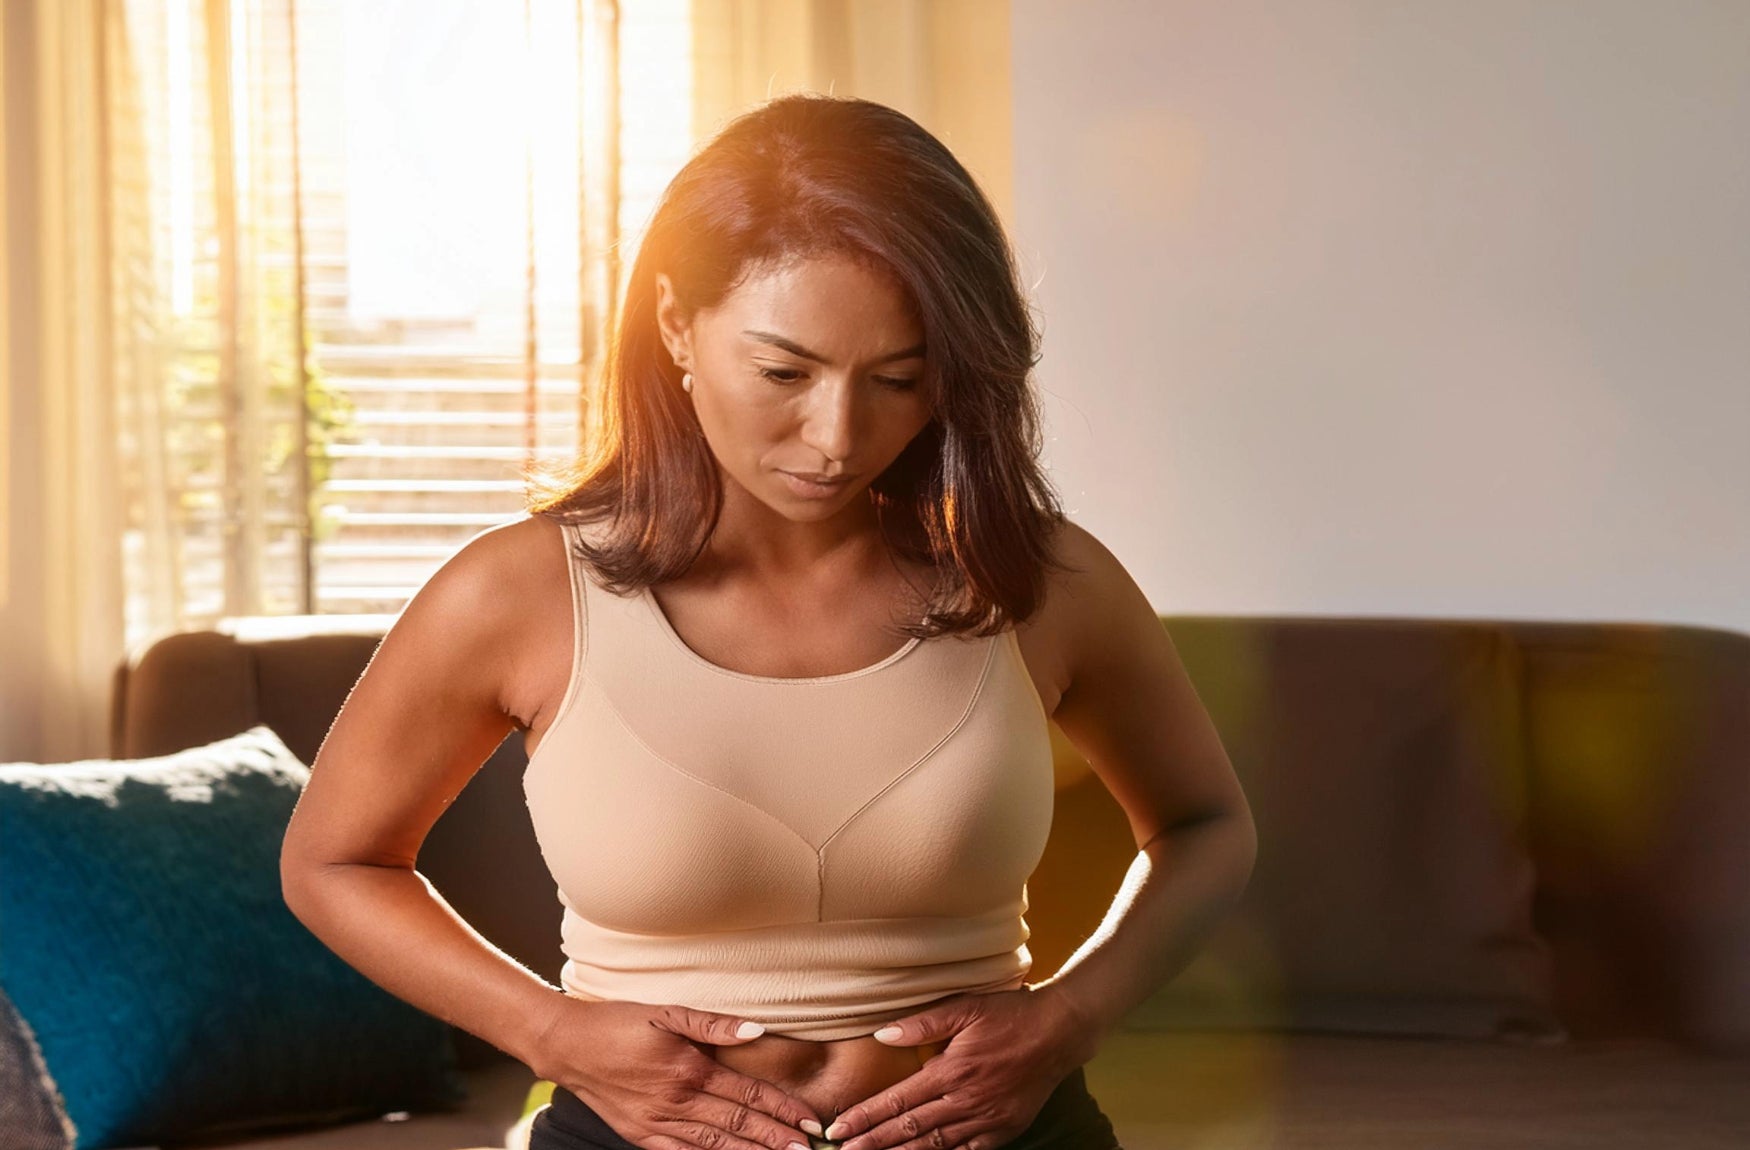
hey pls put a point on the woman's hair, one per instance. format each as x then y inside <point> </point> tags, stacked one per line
<point>812,175</point>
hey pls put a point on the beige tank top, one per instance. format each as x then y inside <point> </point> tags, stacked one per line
<point>821,855</point>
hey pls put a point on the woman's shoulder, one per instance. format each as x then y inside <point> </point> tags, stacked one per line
<point>1083,555</point>
<point>1082,578</point>
<point>507,550</point>
<point>1075,561</point>
<point>509,570</point>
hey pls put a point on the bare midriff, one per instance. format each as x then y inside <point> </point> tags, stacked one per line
<point>829,1076</point>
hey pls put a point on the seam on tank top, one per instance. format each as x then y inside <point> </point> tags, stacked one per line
<point>1027,673</point>
<point>579,645</point>
<point>971,706</point>
<point>614,710</point>
<point>579,634</point>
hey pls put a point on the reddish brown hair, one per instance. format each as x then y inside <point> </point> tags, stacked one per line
<point>808,175</point>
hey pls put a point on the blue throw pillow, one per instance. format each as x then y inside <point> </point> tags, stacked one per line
<point>144,939</point>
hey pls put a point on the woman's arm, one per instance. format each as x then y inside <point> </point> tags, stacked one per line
<point>426,713</point>
<point>1131,711</point>
<point>1128,706</point>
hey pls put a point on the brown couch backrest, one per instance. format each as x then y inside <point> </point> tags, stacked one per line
<point>1630,771</point>
<point>1629,774</point>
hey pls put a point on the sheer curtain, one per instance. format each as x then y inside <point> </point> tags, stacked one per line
<point>206,264</point>
<point>945,63</point>
<point>344,238</point>
<point>60,600</point>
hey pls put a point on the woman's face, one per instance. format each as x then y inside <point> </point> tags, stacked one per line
<point>809,368</point>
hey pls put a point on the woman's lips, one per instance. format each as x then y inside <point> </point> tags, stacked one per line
<point>810,489</point>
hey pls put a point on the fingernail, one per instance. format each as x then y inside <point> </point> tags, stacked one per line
<point>812,1127</point>
<point>796,1146</point>
<point>835,1131</point>
<point>751,1030</point>
<point>889,1033</point>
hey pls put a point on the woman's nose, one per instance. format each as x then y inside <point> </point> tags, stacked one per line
<point>830,425</point>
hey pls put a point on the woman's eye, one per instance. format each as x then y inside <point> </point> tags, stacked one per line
<point>783,375</point>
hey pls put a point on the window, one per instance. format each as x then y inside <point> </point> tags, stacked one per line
<point>432,198</point>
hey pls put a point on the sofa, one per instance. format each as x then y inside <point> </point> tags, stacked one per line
<point>1502,897</point>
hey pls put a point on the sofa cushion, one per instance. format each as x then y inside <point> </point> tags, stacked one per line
<point>1392,892</point>
<point>172,992</point>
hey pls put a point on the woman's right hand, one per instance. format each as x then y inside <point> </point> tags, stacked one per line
<point>641,1068</point>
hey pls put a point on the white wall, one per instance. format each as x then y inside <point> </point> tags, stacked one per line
<point>1397,307</point>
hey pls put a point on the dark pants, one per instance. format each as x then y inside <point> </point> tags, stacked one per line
<point>1071,1120</point>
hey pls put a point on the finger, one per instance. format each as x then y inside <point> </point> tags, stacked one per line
<point>666,1128</point>
<point>966,1135</point>
<point>915,1129</point>
<point>941,1022</point>
<point>959,1136</point>
<point>890,1104</point>
<point>735,1124</point>
<point>709,1125</point>
<point>980,1139</point>
<point>666,1142</point>
<point>755,1104</point>
<point>704,1026</point>
<point>662,1142</point>
<point>701,1135</point>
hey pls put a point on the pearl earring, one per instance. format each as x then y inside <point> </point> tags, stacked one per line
<point>687,382</point>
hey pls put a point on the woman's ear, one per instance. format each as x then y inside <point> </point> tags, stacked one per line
<point>676,335</point>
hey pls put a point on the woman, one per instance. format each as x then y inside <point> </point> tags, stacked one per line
<point>784,646</point>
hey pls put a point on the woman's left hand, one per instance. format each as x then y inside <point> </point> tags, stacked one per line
<point>1007,1052</point>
